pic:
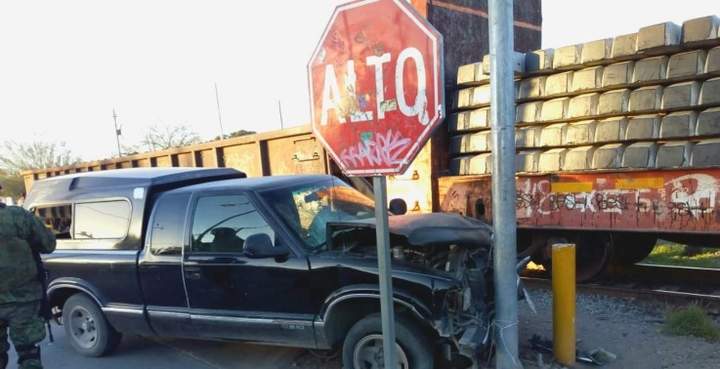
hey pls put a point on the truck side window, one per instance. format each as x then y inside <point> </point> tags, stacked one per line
<point>168,224</point>
<point>222,223</point>
<point>102,220</point>
<point>58,219</point>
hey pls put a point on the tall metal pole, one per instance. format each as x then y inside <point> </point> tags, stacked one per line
<point>387,313</point>
<point>217,100</point>
<point>502,108</point>
<point>282,123</point>
<point>117,132</point>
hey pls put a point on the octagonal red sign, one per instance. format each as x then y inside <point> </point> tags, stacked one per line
<point>376,86</point>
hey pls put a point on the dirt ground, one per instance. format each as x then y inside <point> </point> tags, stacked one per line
<point>626,328</point>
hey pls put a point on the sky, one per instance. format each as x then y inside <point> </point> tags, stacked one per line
<point>65,65</point>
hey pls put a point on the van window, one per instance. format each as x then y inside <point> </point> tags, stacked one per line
<point>102,220</point>
<point>57,218</point>
<point>223,223</point>
<point>168,224</point>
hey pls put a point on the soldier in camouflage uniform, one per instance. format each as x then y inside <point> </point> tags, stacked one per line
<point>21,292</point>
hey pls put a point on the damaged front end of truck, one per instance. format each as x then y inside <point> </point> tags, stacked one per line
<point>455,252</point>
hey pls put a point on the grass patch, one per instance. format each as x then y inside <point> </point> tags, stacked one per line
<point>672,254</point>
<point>691,321</point>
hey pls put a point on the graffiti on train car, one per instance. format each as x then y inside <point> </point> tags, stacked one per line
<point>676,200</point>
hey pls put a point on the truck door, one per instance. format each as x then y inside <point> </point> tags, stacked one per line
<point>232,296</point>
<point>160,267</point>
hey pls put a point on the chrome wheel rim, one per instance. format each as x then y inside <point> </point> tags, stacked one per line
<point>83,328</point>
<point>368,354</point>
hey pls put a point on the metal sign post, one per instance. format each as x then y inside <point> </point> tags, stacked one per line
<point>376,95</point>
<point>387,309</point>
<point>502,110</point>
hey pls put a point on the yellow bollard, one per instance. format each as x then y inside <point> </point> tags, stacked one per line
<point>563,283</point>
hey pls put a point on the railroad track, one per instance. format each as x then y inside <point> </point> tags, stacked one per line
<point>671,285</point>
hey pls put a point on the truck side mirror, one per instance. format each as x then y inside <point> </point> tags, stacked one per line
<point>260,246</point>
<point>398,207</point>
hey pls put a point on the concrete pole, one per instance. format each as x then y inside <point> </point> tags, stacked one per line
<point>502,108</point>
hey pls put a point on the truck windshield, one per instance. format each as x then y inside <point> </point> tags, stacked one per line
<point>307,208</point>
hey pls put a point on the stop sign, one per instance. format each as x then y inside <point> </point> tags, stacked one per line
<point>376,86</point>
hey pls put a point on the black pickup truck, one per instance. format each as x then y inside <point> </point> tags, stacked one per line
<point>208,253</point>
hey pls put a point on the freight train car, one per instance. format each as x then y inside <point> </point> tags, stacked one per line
<point>618,144</point>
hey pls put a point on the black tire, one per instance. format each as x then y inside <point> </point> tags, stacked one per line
<point>414,343</point>
<point>87,329</point>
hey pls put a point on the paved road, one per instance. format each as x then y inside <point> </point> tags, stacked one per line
<point>152,353</point>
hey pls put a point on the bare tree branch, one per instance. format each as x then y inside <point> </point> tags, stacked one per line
<point>17,157</point>
<point>166,137</point>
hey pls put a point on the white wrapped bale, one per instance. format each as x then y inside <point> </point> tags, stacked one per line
<point>640,155</point>
<point>706,153</point>
<point>700,29</point>
<point>587,79</point>
<point>608,156</point>
<point>686,64</point>
<point>580,133</point>
<point>710,94</point>
<point>555,109</point>
<point>678,124</point>
<point>643,127</point>
<point>708,122</point>
<point>673,154</point>
<point>618,74</point>
<point>553,134</point>
<point>624,46</point>
<point>551,160</point>
<point>681,95</point>
<point>528,112</point>
<point>661,35</point>
<point>650,69</point>
<point>596,51</point>
<point>613,102</point>
<point>609,130</point>
<point>583,105</point>
<point>579,158</point>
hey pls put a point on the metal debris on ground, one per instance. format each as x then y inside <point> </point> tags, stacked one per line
<point>597,357</point>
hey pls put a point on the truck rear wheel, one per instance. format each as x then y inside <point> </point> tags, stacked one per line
<point>363,346</point>
<point>86,327</point>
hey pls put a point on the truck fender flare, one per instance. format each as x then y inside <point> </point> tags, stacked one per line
<point>74,284</point>
<point>365,291</point>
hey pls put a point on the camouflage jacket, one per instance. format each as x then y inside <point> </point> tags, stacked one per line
<point>21,233</point>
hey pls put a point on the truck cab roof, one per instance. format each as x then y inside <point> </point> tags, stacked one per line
<point>90,184</point>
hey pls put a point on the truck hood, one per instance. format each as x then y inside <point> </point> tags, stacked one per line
<point>436,229</point>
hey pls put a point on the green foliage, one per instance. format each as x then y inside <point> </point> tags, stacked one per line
<point>16,157</point>
<point>673,254</point>
<point>691,321</point>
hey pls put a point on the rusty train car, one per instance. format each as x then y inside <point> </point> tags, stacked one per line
<point>618,139</point>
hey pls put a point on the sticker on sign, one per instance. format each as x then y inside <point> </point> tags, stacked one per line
<point>376,86</point>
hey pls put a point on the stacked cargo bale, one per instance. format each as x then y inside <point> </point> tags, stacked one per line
<point>650,99</point>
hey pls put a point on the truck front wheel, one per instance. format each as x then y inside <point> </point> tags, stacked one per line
<point>86,327</point>
<point>363,346</point>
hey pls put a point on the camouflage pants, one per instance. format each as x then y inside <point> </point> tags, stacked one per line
<point>26,330</point>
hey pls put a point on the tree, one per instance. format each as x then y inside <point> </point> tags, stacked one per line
<point>17,157</point>
<point>167,137</point>
<point>239,133</point>
<point>13,185</point>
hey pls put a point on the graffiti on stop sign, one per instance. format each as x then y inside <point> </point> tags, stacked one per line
<point>376,86</point>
